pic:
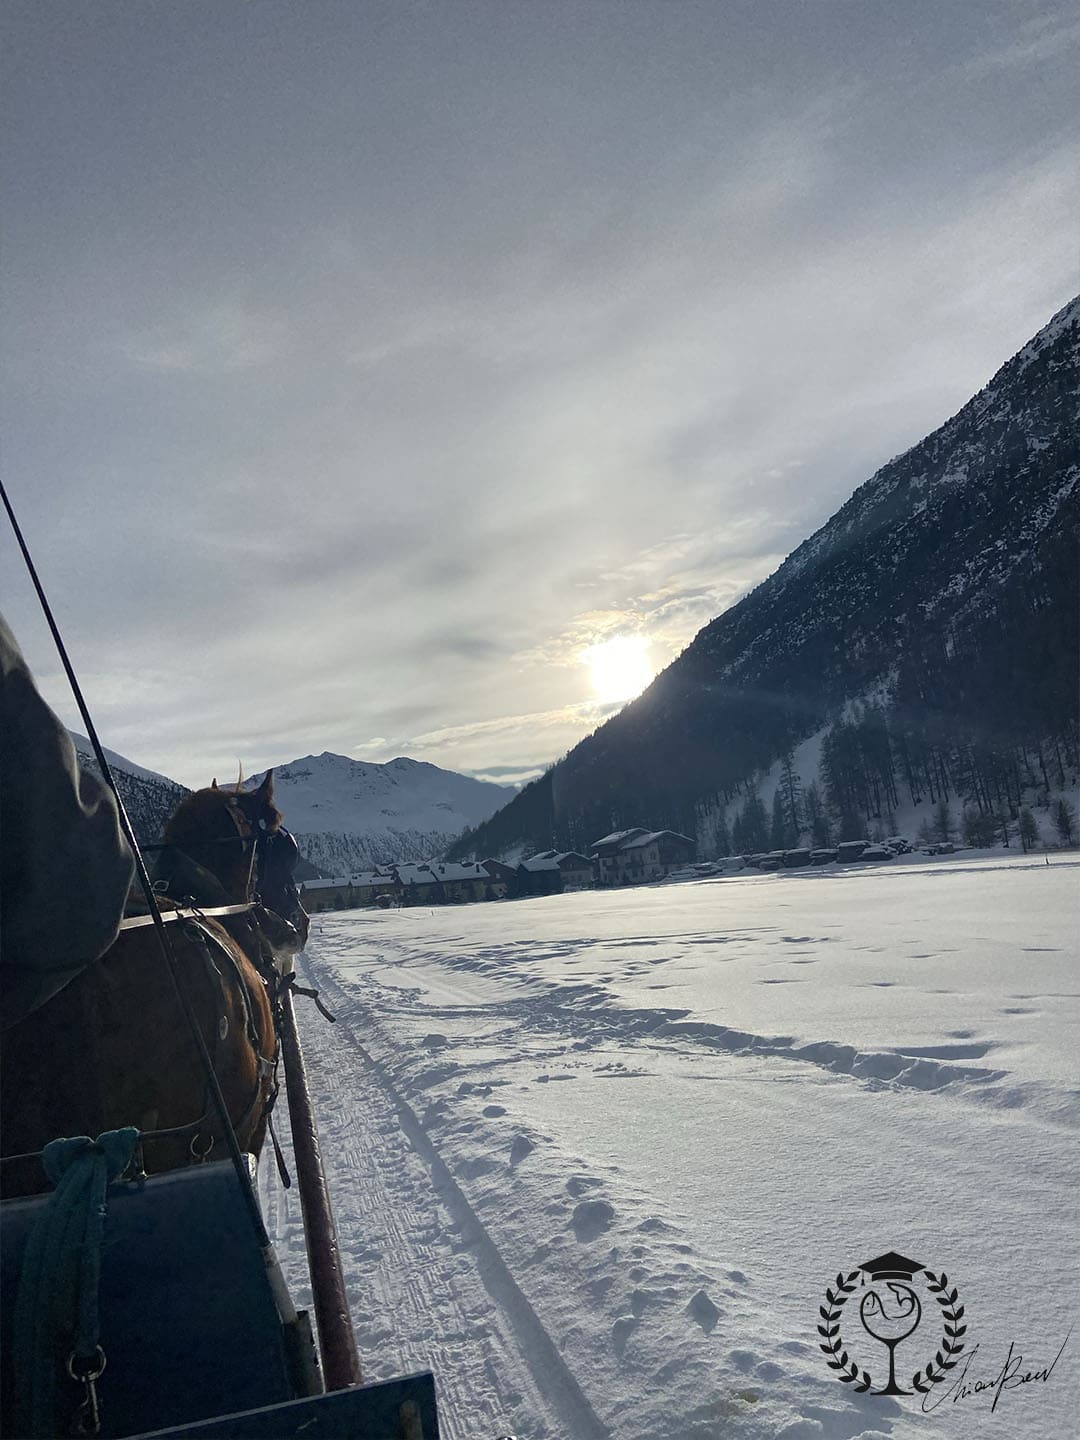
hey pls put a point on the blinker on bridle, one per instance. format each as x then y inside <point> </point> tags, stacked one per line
<point>264,844</point>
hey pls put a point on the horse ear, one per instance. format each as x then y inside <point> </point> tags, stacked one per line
<point>265,791</point>
<point>213,783</point>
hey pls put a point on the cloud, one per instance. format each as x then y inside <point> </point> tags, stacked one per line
<point>221,339</point>
<point>587,350</point>
<point>1041,40</point>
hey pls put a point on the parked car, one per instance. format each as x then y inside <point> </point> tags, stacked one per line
<point>898,845</point>
<point>794,858</point>
<point>878,852</point>
<point>772,861</point>
<point>851,850</point>
<point>940,847</point>
<point>822,857</point>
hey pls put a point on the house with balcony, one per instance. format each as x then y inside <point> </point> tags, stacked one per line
<point>635,856</point>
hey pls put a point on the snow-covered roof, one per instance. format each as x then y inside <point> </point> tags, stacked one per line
<point>539,863</point>
<point>415,874</point>
<point>617,837</point>
<point>448,870</point>
<point>650,838</point>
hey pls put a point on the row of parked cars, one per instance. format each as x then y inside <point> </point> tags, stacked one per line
<point>849,851</point>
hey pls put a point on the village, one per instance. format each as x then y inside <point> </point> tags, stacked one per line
<point>625,857</point>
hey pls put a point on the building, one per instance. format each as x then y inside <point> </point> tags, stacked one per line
<point>419,884</point>
<point>607,855</point>
<point>462,883</point>
<point>503,879</point>
<point>577,870</point>
<point>347,892</point>
<point>553,871</point>
<point>316,895</point>
<point>632,857</point>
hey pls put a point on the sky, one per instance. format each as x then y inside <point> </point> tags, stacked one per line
<point>367,366</point>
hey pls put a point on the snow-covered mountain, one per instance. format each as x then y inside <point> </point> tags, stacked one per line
<point>927,633</point>
<point>350,815</point>
<point>149,798</point>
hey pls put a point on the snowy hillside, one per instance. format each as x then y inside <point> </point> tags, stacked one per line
<point>944,593</point>
<point>350,815</point>
<point>149,798</point>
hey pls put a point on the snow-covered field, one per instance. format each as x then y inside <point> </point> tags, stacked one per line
<point>596,1158</point>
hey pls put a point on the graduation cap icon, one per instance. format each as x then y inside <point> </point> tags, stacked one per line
<point>891,1266</point>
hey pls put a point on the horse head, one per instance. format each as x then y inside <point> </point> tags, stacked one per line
<point>238,837</point>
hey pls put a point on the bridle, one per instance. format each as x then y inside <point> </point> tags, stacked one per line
<point>258,835</point>
<point>271,858</point>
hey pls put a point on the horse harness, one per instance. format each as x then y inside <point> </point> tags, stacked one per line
<point>193,917</point>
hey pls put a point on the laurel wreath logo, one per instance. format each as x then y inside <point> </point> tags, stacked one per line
<point>951,1343</point>
<point>830,1312</point>
<point>945,1358</point>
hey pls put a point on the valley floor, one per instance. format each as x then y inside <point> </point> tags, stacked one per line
<point>596,1158</point>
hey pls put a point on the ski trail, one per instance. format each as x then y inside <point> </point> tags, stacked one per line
<point>427,1285</point>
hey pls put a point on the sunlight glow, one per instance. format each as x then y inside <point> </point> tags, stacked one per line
<point>619,668</point>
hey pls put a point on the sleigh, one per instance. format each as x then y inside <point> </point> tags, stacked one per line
<point>170,1316</point>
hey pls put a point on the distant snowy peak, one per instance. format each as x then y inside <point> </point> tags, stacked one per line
<point>350,813</point>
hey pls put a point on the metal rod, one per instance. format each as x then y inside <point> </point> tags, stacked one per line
<point>337,1343</point>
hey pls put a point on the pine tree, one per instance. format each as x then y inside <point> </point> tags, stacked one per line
<point>944,828</point>
<point>816,817</point>
<point>1065,822</point>
<point>755,826</point>
<point>1029,830</point>
<point>778,830</point>
<point>791,791</point>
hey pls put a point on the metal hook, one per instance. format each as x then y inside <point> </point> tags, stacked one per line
<point>86,1370</point>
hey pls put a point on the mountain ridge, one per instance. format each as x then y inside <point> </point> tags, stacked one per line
<point>350,815</point>
<point>945,579</point>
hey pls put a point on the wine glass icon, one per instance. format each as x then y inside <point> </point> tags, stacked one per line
<point>891,1317</point>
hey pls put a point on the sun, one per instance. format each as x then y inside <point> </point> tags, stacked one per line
<point>619,668</point>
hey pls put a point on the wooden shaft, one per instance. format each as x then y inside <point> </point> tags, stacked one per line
<point>337,1343</point>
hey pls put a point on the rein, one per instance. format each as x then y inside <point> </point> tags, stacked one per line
<point>133,922</point>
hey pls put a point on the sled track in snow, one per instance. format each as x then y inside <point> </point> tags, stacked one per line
<point>559,1407</point>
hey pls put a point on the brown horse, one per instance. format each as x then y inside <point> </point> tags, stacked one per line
<point>113,1047</point>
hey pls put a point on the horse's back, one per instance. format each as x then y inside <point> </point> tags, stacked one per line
<point>114,1048</point>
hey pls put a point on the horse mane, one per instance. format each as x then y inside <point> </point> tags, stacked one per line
<point>194,818</point>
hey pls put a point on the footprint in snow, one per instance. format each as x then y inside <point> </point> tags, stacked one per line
<point>702,1309</point>
<point>591,1218</point>
<point>621,1331</point>
<point>520,1146</point>
<point>578,1184</point>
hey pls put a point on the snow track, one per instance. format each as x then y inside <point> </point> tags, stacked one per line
<point>430,1289</point>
